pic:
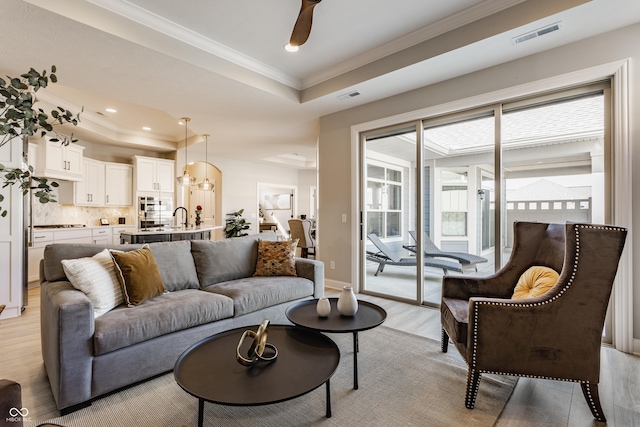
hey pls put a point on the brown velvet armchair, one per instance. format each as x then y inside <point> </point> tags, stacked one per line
<point>553,336</point>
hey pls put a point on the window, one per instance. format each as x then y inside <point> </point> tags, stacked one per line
<point>454,203</point>
<point>384,200</point>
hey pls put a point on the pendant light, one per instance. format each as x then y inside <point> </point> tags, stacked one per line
<point>186,179</point>
<point>206,185</point>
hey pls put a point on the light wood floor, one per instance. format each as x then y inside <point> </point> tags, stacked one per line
<point>536,402</point>
<point>533,402</point>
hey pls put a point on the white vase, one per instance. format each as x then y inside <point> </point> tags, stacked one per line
<point>323,307</point>
<point>347,303</point>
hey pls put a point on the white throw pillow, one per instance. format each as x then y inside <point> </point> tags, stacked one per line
<point>96,277</point>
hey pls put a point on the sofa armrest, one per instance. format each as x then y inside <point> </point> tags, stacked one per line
<point>314,271</point>
<point>530,342</point>
<point>66,332</point>
<point>498,285</point>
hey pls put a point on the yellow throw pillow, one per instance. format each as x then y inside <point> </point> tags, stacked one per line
<point>138,275</point>
<point>536,281</point>
<point>276,258</point>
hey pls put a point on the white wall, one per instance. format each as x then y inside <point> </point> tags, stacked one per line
<point>335,144</point>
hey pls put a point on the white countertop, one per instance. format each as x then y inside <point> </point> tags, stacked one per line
<point>171,230</point>
<point>91,227</point>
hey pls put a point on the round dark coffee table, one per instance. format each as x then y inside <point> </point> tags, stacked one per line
<point>209,370</point>
<point>368,316</point>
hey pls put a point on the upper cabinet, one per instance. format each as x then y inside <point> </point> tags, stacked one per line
<point>58,161</point>
<point>91,190</point>
<point>103,184</point>
<point>154,175</point>
<point>118,184</point>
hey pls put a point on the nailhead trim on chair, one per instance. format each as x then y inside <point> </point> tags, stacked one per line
<point>472,365</point>
<point>592,404</point>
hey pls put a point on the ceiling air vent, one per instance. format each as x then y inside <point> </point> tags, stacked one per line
<point>536,33</point>
<point>348,95</point>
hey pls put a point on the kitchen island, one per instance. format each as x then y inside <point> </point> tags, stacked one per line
<point>168,234</point>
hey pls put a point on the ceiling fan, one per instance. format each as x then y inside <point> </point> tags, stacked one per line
<point>302,28</point>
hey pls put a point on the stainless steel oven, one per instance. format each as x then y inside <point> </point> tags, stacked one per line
<point>154,212</point>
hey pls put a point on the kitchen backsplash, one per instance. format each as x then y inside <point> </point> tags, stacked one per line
<point>53,213</point>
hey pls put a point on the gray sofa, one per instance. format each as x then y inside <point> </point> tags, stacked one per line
<point>211,289</point>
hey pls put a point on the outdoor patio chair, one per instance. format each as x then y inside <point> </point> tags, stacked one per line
<point>555,335</point>
<point>386,256</point>
<point>431,250</point>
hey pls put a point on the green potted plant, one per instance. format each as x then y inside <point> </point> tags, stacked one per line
<point>19,117</point>
<point>236,225</point>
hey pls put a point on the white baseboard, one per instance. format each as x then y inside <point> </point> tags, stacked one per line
<point>336,284</point>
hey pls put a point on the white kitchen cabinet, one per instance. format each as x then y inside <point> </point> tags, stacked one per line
<point>101,236</point>
<point>36,252</point>
<point>58,161</point>
<point>118,184</point>
<point>11,236</point>
<point>90,191</point>
<point>119,229</point>
<point>154,175</point>
<point>73,235</point>
<point>32,155</point>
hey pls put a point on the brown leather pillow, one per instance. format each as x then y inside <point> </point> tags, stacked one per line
<point>536,281</point>
<point>138,275</point>
<point>276,258</point>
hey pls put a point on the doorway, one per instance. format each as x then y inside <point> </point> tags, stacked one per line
<point>276,206</point>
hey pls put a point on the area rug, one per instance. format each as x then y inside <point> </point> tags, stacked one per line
<point>404,380</point>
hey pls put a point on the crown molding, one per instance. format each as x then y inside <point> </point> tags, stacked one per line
<point>185,35</point>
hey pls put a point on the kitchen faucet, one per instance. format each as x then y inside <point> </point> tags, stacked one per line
<point>186,215</point>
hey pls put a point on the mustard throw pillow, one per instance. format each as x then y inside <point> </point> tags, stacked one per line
<point>138,275</point>
<point>536,281</point>
<point>276,258</point>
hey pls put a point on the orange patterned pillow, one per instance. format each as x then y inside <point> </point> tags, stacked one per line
<point>537,280</point>
<point>276,258</point>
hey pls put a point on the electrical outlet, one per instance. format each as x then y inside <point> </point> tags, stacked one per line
<point>332,265</point>
<point>344,217</point>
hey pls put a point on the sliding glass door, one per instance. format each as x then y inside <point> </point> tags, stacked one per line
<point>389,212</point>
<point>468,176</point>
<point>459,150</point>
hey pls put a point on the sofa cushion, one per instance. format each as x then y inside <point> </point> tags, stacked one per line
<point>96,277</point>
<point>230,259</point>
<point>454,314</point>
<point>167,313</point>
<point>254,293</point>
<point>276,258</point>
<point>176,265</point>
<point>138,274</point>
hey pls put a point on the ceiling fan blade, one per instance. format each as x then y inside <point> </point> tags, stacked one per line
<point>302,28</point>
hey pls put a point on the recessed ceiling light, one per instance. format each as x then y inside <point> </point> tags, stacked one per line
<point>291,48</point>
<point>110,110</point>
<point>146,128</point>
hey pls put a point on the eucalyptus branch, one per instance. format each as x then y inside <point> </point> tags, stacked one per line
<point>18,116</point>
<point>26,180</point>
